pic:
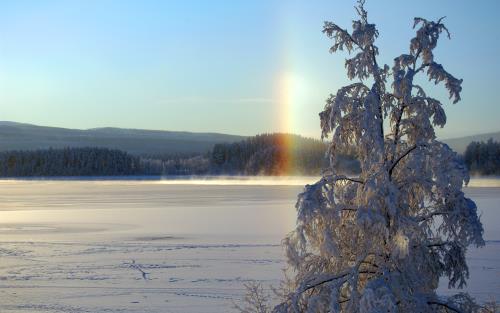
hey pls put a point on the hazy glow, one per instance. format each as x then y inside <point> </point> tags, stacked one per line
<point>206,180</point>
<point>484,182</point>
<point>293,95</point>
<point>243,180</point>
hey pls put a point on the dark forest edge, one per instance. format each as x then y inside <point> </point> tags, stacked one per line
<point>483,158</point>
<point>267,154</point>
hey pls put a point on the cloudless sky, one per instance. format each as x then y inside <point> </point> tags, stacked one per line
<point>239,67</point>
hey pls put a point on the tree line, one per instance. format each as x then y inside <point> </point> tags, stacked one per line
<point>270,154</point>
<point>92,161</point>
<point>275,154</point>
<point>483,158</point>
<point>68,162</point>
<point>266,154</point>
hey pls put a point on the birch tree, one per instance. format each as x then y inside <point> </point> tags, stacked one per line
<point>381,242</point>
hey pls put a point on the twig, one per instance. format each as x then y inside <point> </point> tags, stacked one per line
<point>449,307</point>
<point>138,267</point>
<point>400,158</point>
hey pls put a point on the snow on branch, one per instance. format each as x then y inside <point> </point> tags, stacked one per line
<point>381,241</point>
<point>437,73</point>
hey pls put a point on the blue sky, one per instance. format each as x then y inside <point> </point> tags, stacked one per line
<point>219,65</point>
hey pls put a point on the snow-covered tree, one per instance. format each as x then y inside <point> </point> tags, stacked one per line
<point>381,242</point>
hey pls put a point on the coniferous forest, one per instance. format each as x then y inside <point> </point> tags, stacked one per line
<point>266,154</point>
<point>68,162</point>
<point>483,158</point>
<point>270,154</point>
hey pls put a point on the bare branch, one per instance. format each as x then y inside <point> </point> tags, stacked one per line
<point>397,126</point>
<point>400,158</point>
<point>323,280</point>
<point>446,305</point>
<point>355,180</point>
<point>335,178</point>
<point>430,215</point>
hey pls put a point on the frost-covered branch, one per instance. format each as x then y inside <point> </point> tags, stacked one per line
<point>326,278</point>
<point>335,178</point>
<point>318,281</point>
<point>430,215</point>
<point>342,38</point>
<point>437,73</point>
<point>372,243</point>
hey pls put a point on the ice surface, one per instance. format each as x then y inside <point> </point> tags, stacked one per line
<point>156,246</point>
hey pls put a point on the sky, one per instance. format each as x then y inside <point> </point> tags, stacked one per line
<point>237,67</point>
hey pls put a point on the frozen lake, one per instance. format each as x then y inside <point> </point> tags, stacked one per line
<point>166,246</point>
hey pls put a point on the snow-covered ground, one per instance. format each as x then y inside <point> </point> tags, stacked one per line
<point>159,246</point>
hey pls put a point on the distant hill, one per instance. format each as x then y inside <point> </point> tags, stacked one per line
<point>459,144</point>
<point>19,136</point>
